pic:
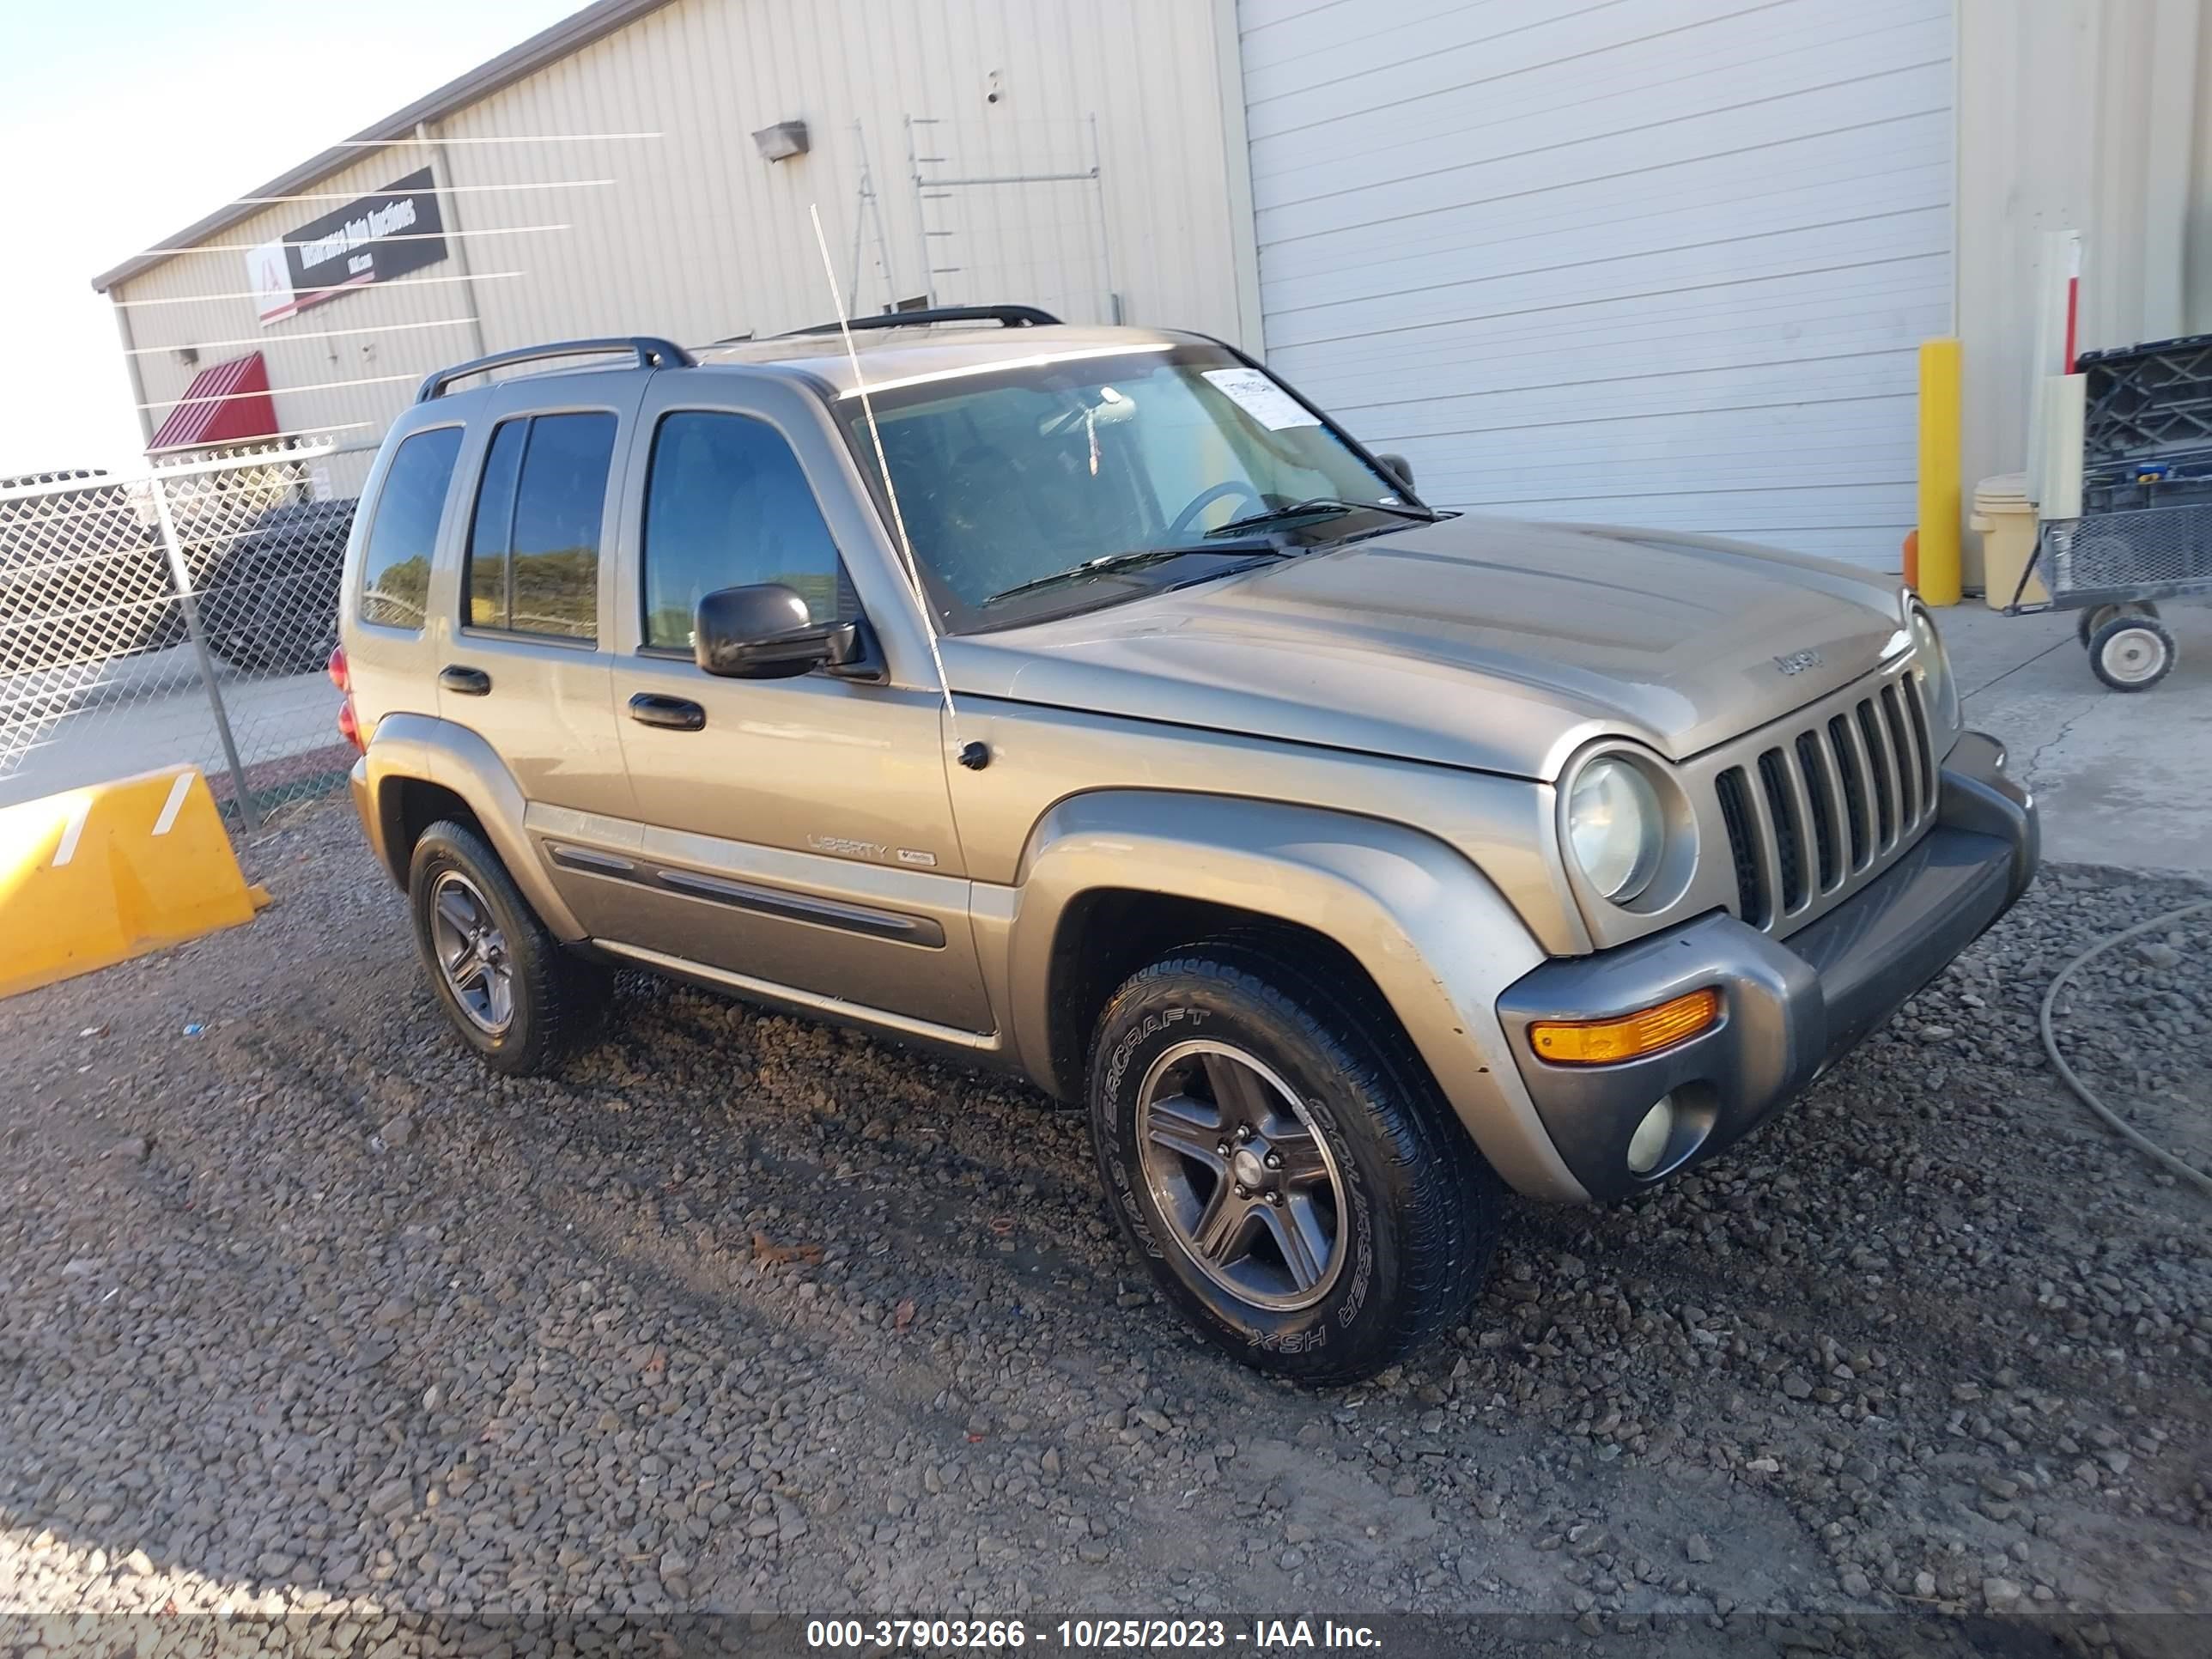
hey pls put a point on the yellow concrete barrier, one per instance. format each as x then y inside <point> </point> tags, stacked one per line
<point>94,877</point>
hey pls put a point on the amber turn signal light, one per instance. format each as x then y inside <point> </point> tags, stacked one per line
<point>1600,1042</point>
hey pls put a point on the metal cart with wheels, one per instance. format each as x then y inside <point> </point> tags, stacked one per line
<point>2145,533</point>
<point>2113,569</point>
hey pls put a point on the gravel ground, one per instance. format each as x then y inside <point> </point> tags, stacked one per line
<point>305,1311</point>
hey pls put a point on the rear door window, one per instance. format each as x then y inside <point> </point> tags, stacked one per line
<point>493,528</point>
<point>403,531</point>
<point>533,561</point>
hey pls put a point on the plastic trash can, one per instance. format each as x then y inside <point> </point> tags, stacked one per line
<point>2005,519</point>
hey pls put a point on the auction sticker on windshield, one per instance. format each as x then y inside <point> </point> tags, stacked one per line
<point>1262,399</point>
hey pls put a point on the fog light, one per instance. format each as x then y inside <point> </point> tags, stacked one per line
<point>1648,1144</point>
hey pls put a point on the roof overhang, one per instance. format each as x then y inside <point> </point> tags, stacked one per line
<point>569,35</point>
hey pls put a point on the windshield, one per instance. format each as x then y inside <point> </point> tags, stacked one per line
<point>1013,476</point>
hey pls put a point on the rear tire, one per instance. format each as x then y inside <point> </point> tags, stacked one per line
<point>1278,1153</point>
<point>518,1000</point>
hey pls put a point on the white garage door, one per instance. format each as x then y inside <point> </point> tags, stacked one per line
<point>1652,262</point>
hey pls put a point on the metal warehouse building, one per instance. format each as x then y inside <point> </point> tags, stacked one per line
<point>1656,261</point>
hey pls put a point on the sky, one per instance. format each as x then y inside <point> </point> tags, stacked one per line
<point>122,121</point>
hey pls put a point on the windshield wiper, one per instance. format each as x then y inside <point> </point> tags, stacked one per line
<point>1316,506</point>
<point>1113,563</point>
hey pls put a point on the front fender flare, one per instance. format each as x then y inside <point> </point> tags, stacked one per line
<point>1438,938</point>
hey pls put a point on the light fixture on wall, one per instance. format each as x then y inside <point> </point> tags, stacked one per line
<point>782,141</point>
<point>187,355</point>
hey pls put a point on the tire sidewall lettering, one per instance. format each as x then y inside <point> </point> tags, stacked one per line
<point>1111,1126</point>
<point>1308,1329</point>
<point>1361,1221</point>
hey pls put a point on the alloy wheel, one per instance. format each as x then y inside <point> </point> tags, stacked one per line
<point>471,952</point>
<point>1245,1183</point>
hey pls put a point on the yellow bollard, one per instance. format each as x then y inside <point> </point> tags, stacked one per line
<point>94,877</point>
<point>1939,570</point>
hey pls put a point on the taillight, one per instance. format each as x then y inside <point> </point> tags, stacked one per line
<point>349,726</point>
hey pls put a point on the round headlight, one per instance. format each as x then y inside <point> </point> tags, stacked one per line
<point>1933,664</point>
<point>1615,827</point>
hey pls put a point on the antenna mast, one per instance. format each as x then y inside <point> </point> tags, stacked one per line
<point>973,756</point>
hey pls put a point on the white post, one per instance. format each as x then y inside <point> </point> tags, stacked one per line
<point>2057,298</point>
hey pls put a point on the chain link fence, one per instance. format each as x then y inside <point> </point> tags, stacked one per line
<point>184,613</point>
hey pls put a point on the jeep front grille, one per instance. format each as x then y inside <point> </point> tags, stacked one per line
<point>1827,808</point>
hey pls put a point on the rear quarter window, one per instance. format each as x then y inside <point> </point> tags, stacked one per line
<point>403,531</point>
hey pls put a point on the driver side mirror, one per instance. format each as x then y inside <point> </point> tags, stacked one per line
<point>1399,468</point>
<point>764,632</point>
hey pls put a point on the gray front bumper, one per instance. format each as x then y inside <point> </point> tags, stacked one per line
<point>1789,1008</point>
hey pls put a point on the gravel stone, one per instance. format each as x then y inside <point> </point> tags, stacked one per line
<point>391,1497</point>
<point>744,1312</point>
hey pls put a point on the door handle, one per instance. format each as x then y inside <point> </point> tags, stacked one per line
<point>464,681</point>
<point>675,714</point>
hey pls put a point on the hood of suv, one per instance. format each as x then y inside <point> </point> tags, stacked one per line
<point>1492,644</point>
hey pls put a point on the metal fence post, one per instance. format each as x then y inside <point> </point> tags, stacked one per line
<point>181,573</point>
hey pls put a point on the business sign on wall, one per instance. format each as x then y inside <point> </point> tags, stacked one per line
<point>370,240</point>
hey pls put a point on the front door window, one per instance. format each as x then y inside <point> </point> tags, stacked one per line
<point>726,505</point>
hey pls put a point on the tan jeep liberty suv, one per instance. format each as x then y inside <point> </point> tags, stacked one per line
<point>1351,862</point>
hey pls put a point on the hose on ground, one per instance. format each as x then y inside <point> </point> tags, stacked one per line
<point>2135,1139</point>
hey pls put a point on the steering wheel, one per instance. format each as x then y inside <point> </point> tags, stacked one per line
<point>1205,498</point>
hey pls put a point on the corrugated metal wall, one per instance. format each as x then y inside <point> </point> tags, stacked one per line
<point>698,238</point>
<point>716,241</point>
<point>2087,114</point>
<point>2084,115</point>
<point>1661,262</point>
<point>353,381</point>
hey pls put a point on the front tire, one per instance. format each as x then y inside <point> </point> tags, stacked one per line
<point>1278,1153</point>
<point>519,1000</point>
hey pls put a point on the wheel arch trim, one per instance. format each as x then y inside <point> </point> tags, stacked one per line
<point>1438,938</point>
<point>412,748</point>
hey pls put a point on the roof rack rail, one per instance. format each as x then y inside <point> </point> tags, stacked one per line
<point>651,353</point>
<point>1007,316</point>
